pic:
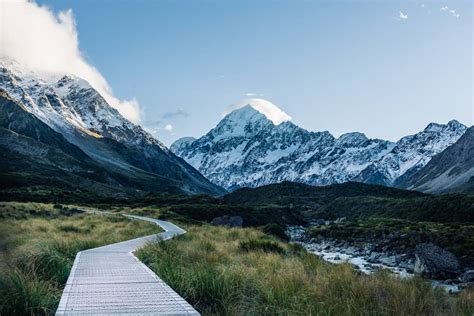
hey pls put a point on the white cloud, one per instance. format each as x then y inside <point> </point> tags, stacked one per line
<point>403,16</point>
<point>37,38</point>
<point>250,94</point>
<point>175,114</point>
<point>453,13</point>
<point>270,110</point>
<point>422,5</point>
<point>168,127</point>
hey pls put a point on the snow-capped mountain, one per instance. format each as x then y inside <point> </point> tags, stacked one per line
<point>74,109</point>
<point>450,170</point>
<point>246,149</point>
<point>411,153</point>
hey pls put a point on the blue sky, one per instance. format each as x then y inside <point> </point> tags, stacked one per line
<point>331,65</point>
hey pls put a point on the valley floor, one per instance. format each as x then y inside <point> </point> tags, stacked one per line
<point>237,271</point>
<point>220,271</point>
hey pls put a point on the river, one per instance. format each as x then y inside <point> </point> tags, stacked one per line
<point>362,259</point>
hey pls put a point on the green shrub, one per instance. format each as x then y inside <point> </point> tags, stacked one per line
<point>276,230</point>
<point>261,245</point>
<point>69,228</point>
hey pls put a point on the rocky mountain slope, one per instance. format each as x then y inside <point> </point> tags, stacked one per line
<point>246,149</point>
<point>411,153</point>
<point>450,170</point>
<point>69,106</point>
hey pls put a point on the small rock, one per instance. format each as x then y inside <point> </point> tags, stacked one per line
<point>373,258</point>
<point>408,265</point>
<point>340,220</point>
<point>351,250</point>
<point>318,222</point>
<point>389,261</point>
<point>467,276</point>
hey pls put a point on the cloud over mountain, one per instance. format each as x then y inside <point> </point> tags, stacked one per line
<point>46,42</point>
<point>270,110</point>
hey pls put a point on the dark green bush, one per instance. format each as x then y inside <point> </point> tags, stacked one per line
<point>261,245</point>
<point>276,230</point>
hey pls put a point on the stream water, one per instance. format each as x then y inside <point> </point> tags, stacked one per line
<point>362,259</point>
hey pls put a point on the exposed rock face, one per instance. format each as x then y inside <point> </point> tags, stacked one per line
<point>411,153</point>
<point>246,149</point>
<point>228,221</point>
<point>452,169</point>
<point>435,263</point>
<point>71,107</point>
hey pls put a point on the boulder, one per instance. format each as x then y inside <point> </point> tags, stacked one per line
<point>408,265</point>
<point>434,262</point>
<point>228,221</point>
<point>340,220</point>
<point>389,261</point>
<point>467,277</point>
<point>318,222</point>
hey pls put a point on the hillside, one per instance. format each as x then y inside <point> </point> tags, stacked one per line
<point>357,200</point>
<point>450,170</point>
<point>36,158</point>
<point>73,109</point>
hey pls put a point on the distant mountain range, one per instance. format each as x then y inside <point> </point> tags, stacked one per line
<point>63,133</point>
<point>246,149</point>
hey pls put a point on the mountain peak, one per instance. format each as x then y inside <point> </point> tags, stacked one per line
<point>265,107</point>
<point>245,114</point>
<point>454,124</point>
<point>71,80</point>
<point>352,139</point>
<point>243,121</point>
<point>451,125</point>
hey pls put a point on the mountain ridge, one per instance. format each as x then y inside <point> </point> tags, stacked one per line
<point>450,170</point>
<point>72,108</point>
<point>246,149</point>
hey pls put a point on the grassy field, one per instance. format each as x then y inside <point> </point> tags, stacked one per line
<point>38,244</point>
<point>238,271</point>
<point>242,271</point>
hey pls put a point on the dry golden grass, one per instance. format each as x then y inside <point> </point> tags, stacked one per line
<point>211,269</point>
<point>38,246</point>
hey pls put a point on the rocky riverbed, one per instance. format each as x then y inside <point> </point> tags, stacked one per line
<point>366,259</point>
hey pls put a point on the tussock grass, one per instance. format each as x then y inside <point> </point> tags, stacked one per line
<point>37,250</point>
<point>224,271</point>
<point>260,245</point>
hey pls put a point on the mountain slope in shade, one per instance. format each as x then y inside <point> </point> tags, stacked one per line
<point>246,149</point>
<point>72,108</point>
<point>33,154</point>
<point>450,170</point>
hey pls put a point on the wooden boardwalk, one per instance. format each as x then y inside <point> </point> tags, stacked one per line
<point>110,280</point>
